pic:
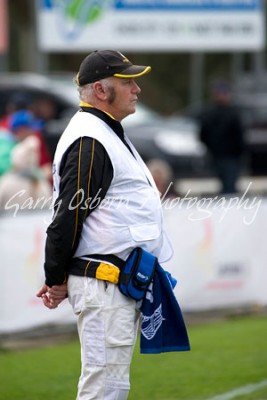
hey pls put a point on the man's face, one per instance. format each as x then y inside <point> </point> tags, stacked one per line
<point>122,97</point>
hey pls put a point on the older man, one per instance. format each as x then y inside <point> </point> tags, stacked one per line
<point>106,204</point>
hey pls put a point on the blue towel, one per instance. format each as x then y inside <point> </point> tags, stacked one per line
<point>162,328</point>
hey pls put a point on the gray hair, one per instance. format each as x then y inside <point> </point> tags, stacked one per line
<point>86,92</point>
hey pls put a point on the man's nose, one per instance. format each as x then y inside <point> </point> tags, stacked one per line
<point>136,88</point>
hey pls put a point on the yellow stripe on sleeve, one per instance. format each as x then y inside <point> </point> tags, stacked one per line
<point>77,194</point>
<point>90,172</point>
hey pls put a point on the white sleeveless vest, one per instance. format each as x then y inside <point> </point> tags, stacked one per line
<point>130,214</point>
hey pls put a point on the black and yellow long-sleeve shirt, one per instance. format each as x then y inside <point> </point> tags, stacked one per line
<point>85,168</point>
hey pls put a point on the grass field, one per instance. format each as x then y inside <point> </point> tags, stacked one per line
<point>225,355</point>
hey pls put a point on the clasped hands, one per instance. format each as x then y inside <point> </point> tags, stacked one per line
<point>53,296</point>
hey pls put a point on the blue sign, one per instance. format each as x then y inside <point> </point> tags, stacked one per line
<point>234,25</point>
<point>190,5</point>
<point>47,3</point>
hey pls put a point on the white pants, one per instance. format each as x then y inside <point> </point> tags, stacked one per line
<point>107,326</point>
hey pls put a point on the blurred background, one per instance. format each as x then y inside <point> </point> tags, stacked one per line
<point>200,125</point>
<point>191,46</point>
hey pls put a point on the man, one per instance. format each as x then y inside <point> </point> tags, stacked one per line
<point>106,204</point>
<point>222,132</point>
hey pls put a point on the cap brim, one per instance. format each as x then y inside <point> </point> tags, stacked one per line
<point>134,71</point>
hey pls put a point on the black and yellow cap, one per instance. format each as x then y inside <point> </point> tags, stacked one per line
<point>101,64</point>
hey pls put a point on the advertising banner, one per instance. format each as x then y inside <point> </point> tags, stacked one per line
<point>22,239</point>
<point>151,25</point>
<point>219,259</point>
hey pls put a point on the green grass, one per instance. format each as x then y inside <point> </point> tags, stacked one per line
<point>224,356</point>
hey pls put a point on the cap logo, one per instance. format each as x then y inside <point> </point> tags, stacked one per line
<point>124,59</point>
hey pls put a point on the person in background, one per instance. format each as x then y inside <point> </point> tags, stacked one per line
<point>222,131</point>
<point>22,125</point>
<point>24,182</point>
<point>44,109</point>
<point>7,143</point>
<point>17,101</point>
<point>163,176</point>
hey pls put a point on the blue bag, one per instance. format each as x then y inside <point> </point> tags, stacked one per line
<point>137,273</point>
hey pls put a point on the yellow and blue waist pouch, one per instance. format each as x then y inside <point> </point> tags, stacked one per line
<point>137,274</point>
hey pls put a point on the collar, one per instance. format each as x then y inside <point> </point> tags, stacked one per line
<point>104,116</point>
<point>84,104</point>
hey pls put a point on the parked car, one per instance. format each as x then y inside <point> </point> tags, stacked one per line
<point>174,140</point>
<point>33,87</point>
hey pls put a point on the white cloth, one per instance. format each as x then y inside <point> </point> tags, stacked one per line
<point>131,214</point>
<point>107,326</point>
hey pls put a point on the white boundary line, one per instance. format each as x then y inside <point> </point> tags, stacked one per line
<point>242,390</point>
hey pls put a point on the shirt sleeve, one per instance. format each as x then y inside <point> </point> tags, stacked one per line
<point>86,173</point>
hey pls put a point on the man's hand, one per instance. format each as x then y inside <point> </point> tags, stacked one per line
<point>53,296</point>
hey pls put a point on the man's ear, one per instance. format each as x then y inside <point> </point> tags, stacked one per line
<point>99,90</point>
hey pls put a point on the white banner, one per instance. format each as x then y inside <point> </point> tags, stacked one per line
<point>151,25</point>
<point>22,239</point>
<point>219,259</point>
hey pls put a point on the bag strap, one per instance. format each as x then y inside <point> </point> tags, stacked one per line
<point>108,258</point>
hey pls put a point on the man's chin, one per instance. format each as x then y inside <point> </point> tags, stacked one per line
<point>132,110</point>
